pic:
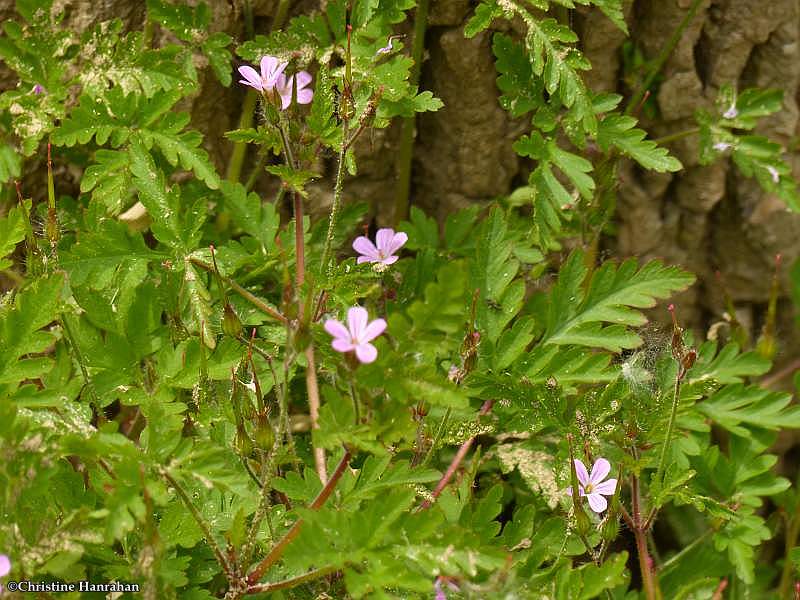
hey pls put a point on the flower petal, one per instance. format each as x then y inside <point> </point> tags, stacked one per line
<point>271,69</point>
<point>303,79</point>
<point>305,96</point>
<point>363,245</point>
<point>284,88</point>
<point>390,260</point>
<point>597,502</point>
<point>5,565</point>
<point>607,488</point>
<point>600,470</point>
<point>363,259</point>
<point>366,353</point>
<point>337,329</point>
<point>357,318</point>
<point>251,77</point>
<point>583,474</point>
<point>383,239</point>
<point>343,345</point>
<point>373,330</point>
<point>398,241</point>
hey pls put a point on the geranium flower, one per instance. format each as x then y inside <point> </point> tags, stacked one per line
<point>387,242</point>
<point>773,172</point>
<point>271,70</point>
<point>592,486</point>
<point>5,567</point>
<point>283,86</point>
<point>357,335</point>
<point>732,112</point>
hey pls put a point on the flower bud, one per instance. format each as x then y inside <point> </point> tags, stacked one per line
<point>231,324</point>
<point>583,524</point>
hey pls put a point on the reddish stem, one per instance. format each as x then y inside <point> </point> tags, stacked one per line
<point>456,462</point>
<point>279,548</point>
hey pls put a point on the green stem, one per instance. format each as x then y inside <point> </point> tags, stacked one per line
<point>406,152</point>
<point>236,161</point>
<point>258,169</point>
<point>337,198</point>
<point>662,459</point>
<point>201,522</point>
<point>356,404</point>
<point>676,136</point>
<point>254,300</point>
<point>437,437</point>
<point>788,564</point>
<point>639,533</point>
<point>280,14</point>
<point>662,57</point>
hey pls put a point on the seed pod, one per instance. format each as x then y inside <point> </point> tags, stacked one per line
<point>231,324</point>
<point>243,442</point>
<point>264,435</point>
<point>610,529</point>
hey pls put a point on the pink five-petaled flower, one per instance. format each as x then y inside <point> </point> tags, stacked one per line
<point>357,335</point>
<point>271,70</point>
<point>283,86</point>
<point>387,242</point>
<point>5,567</point>
<point>592,486</point>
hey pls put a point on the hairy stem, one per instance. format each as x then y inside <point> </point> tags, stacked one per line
<point>456,462</point>
<point>261,588</point>
<point>279,548</point>
<point>406,152</point>
<point>676,396</point>
<point>662,57</point>
<point>337,200</point>
<point>201,522</point>
<point>437,436</point>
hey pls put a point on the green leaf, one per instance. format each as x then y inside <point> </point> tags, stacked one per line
<point>736,405</point>
<point>575,317</point>
<point>12,232</point>
<point>20,322</point>
<point>620,132</point>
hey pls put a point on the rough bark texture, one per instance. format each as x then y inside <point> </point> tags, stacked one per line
<point>708,219</point>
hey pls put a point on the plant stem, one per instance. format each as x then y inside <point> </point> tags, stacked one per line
<point>201,522</point>
<point>437,436</point>
<point>406,152</point>
<point>788,566</point>
<point>670,426</point>
<point>279,548</point>
<point>456,462</point>
<point>261,588</point>
<point>337,199</point>
<point>672,137</point>
<point>254,300</point>
<point>236,161</point>
<point>648,578</point>
<point>313,409</point>
<point>280,14</point>
<point>662,57</point>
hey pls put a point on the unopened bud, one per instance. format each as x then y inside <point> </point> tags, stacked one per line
<point>610,529</point>
<point>583,524</point>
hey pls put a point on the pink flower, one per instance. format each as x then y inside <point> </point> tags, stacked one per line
<point>357,335</point>
<point>383,251</point>
<point>592,486</point>
<point>284,88</point>
<point>5,567</point>
<point>271,70</point>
